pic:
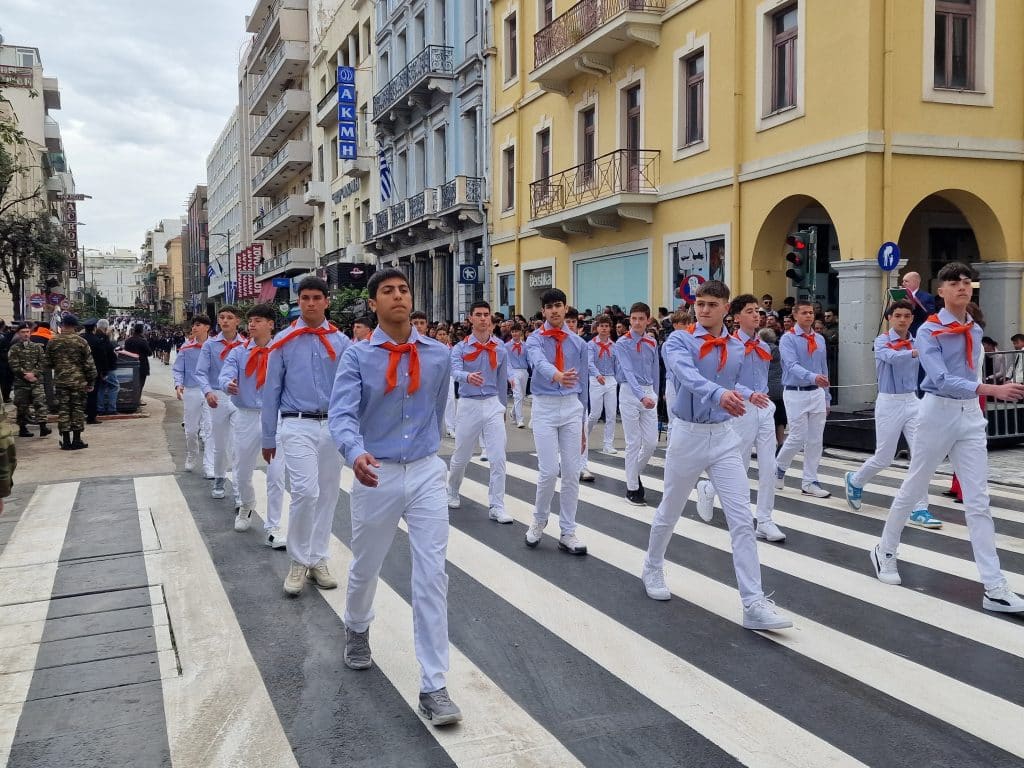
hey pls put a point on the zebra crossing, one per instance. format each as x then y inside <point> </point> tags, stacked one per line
<point>557,660</point>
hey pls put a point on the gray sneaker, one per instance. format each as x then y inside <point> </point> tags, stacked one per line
<point>438,707</point>
<point>357,649</point>
<point>217,491</point>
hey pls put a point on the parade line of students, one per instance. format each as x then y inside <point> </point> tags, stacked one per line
<point>310,399</point>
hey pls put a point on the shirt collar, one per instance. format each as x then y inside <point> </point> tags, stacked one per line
<point>700,330</point>
<point>300,323</point>
<point>378,337</point>
<point>893,336</point>
<point>946,317</point>
<point>743,336</point>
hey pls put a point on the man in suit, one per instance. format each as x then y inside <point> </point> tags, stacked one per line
<point>924,302</point>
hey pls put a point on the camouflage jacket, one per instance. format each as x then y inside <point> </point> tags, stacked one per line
<point>8,458</point>
<point>25,357</point>
<point>71,359</point>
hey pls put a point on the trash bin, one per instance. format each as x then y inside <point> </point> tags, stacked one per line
<point>130,394</point>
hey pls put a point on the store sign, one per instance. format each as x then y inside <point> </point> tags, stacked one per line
<point>16,77</point>
<point>346,191</point>
<point>246,261</point>
<point>540,278</point>
<point>347,138</point>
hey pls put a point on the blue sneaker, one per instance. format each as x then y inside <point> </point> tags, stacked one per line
<point>924,519</point>
<point>853,493</point>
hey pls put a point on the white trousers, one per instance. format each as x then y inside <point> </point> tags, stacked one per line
<point>757,427</point>
<point>196,412</point>
<point>603,400</point>
<point>894,415</point>
<point>806,413</point>
<point>480,419</point>
<point>223,417</point>
<point>415,492</point>
<point>521,376</point>
<point>313,465</point>
<point>640,426</point>
<point>206,433</point>
<point>247,437</point>
<point>670,401</point>
<point>557,433</point>
<point>692,449</point>
<point>956,428</point>
<point>449,408</point>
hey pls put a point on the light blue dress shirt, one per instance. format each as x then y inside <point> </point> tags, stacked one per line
<point>896,368</point>
<point>946,372</point>
<point>234,370</point>
<point>798,367</point>
<point>300,375</point>
<point>601,365</point>
<point>754,370</point>
<point>517,360</point>
<point>210,361</point>
<point>638,367</point>
<point>699,383</point>
<point>495,379</point>
<point>184,368</point>
<point>391,426</point>
<point>540,351</point>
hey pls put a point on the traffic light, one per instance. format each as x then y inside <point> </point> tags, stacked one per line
<point>797,257</point>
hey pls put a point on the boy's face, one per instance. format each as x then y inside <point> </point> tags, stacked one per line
<point>228,322</point>
<point>572,323</point>
<point>517,334</point>
<point>201,331</point>
<point>421,325</point>
<point>638,322</point>
<point>604,330</point>
<point>480,321</point>
<point>360,331</point>
<point>804,315</point>
<point>710,310</point>
<point>313,306</point>
<point>748,319</point>
<point>900,320</point>
<point>554,313</point>
<point>956,292</point>
<point>393,301</point>
<point>261,327</point>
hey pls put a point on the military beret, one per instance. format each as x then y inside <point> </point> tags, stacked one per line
<point>69,319</point>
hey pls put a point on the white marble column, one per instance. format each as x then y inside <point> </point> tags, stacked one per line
<point>860,307</point>
<point>1000,298</point>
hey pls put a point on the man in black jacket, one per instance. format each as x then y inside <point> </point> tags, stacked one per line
<point>137,344</point>
<point>103,366</point>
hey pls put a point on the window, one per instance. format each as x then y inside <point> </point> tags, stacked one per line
<point>588,144</point>
<point>508,171</point>
<point>784,41</point>
<point>547,12</point>
<point>26,57</point>
<point>511,48</point>
<point>693,114</point>
<point>544,153</point>
<point>954,44</point>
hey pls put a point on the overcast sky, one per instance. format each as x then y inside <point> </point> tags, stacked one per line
<point>146,88</point>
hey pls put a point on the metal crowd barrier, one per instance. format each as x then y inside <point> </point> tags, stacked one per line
<point>1005,420</point>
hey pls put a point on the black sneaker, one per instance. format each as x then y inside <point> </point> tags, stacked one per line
<point>636,498</point>
<point>640,484</point>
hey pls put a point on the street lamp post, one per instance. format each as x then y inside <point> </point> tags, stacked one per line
<point>226,235</point>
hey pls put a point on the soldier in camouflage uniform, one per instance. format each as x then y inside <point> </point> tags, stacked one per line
<point>27,360</point>
<point>8,461</point>
<point>74,374</point>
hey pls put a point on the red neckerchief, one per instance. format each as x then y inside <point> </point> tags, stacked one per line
<point>963,329</point>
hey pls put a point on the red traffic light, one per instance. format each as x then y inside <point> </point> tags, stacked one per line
<point>796,241</point>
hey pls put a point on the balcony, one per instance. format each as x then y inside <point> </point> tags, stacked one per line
<point>271,134</point>
<point>293,158</point>
<point>316,193</point>
<point>426,213</point>
<point>51,93</point>
<point>586,38</point>
<point>285,66</point>
<point>360,166</point>
<point>432,69</point>
<point>51,132</point>
<point>327,108</point>
<point>294,261</point>
<point>463,192</point>
<point>597,195</point>
<point>284,20</point>
<point>281,218</point>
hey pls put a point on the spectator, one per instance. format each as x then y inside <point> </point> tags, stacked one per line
<point>6,375</point>
<point>92,398</point>
<point>8,461</point>
<point>775,390</point>
<point>787,323</point>
<point>1016,368</point>
<point>106,362</point>
<point>137,344</point>
<point>924,302</point>
<point>767,304</point>
<point>995,362</point>
<point>41,334</point>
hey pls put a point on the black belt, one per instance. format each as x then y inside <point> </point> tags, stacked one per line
<point>811,388</point>
<point>319,416</point>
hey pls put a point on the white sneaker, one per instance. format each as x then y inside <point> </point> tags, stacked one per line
<point>190,462</point>
<point>571,543</point>
<point>769,531</point>
<point>815,490</point>
<point>295,579</point>
<point>454,502</point>
<point>499,515</point>
<point>520,425</point>
<point>275,540</point>
<point>451,434</point>
<point>1002,599</point>
<point>217,491</point>
<point>609,452</point>
<point>885,567</point>
<point>705,500</point>
<point>761,614</point>
<point>654,584</point>
<point>534,534</point>
<point>780,480</point>
<point>243,519</point>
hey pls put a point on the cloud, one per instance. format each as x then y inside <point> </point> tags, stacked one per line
<point>146,88</point>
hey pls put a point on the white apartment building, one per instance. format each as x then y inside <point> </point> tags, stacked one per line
<point>224,172</point>
<point>113,276</point>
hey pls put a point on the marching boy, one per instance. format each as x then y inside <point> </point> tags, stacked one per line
<point>950,423</point>
<point>558,359</point>
<point>186,387</point>
<point>756,426</point>
<point>243,375</point>
<point>601,356</point>
<point>519,373</point>
<point>480,365</point>
<point>706,363</point>
<point>636,357</point>
<point>897,365</point>
<point>386,419</point>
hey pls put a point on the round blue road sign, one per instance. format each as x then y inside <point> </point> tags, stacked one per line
<point>889,257</point>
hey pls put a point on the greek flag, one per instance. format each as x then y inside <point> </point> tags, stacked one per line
<point>385,178</point>
<point>210,273</point>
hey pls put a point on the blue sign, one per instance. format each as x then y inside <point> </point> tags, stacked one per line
<point>280,282</point>
<point>469,274</point>
<point>346,75</point>
<point>889,257</point>
<point>347,136</point>
<point>688,287</point>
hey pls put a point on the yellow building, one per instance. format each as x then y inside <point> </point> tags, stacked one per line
<point>640,142</point>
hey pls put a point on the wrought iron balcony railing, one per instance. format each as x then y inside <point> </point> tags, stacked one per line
<point>623,170</point>
<point>327,97</point>
<point>432,60</point>
<point>450,192</point>
<point>272,61</point>
<point>579,21</point>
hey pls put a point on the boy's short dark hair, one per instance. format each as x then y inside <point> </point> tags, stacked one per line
<point>1017,337</point>
<point>639,306</point>
<point>789,301</point>
<point>553,296</point>
<point>956,271</point>
<point>366,320</point>
<point>380,276</point>
<point>802,303</point>
<point>602,319</point>
<point>680,316</point>
<point>740,303</point>
<point>572,313</point>
<point>479,305</point>
<point>201,320</point>
<point>419,314</point>
<point>262,310</point>
<point>901,304</point>
<point>989,340</point>
<point>313,283</point>
<point>716,289</point>
<point>231,309</point>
